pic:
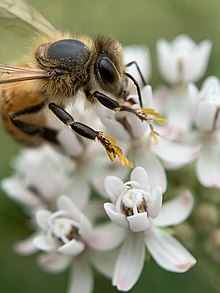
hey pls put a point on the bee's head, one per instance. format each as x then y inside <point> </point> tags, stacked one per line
<point>109,68</point>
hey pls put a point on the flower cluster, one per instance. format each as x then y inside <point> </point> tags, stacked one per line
<point>88,212</point>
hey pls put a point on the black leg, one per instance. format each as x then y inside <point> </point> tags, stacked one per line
<point>137,86</point>
<point>82,129</point>
<point>30,128</point>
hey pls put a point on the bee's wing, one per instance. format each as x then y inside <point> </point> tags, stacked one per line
<point>15,14</point>
<point>9,74</point>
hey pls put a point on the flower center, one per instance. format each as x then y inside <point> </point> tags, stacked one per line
<point>64,230</point>
<point>133,202</point>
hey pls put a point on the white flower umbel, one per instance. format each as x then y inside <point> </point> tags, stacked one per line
<point>182,60</point>
<point>138,209</point>
<point>140,146</point>
<point>67,237</point>
<point>205,106</point>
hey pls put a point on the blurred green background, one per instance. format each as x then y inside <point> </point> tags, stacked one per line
<point>140,22</point>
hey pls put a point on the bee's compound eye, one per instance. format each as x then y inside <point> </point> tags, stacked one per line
<point>65,49</point>
<point>106,70</point>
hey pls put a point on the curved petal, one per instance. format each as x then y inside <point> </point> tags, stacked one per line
<point>176,155</point>
<point>106,237</point>
<point>81,278</point>
<point>116,129</point>
<point>205,115</point>
<point>72,248</point>
<point>155,203</point>
<point>42,243</point>
<point>42,217</point>
<point>66,204</point>
<point>130,262</point>
<point>70,142</point>
<point>53,262</point>
<point>117,218</point>
<point>85,228</point>
<point>168,252</point>
<point>26,247</point>
<point>154,170</point>
<point>113,186</point>
<point>79,191</point>
<point>208,167</point>
<point>140,175</point>
<point>138,222</point>
<point>176,210</point>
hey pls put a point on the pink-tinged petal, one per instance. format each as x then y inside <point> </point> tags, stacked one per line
<point>175,155</point>
<point>130,262</point>
<point>53,263</point>
<point>44,244</point>
<point>155,202</point>
<point>42,217</point>
<point>26,247</point>
<point>117,218</point>
<point>66,204</point>
<point>140,175</point>
<point>116,129</point>
<point>104,261</point>
<point>205,115</point>
<point>81,277</point>
<point>154,170</point>
<point>176,210</point>
<point>138,222</point>
<point>106,237</point>
<point>72,248</point>
<point>113,186</point>
<point>208,167</point>
<point>168,252</point>
<point>85,228</point>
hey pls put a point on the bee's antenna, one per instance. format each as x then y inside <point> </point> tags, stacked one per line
<point>139,71</point>
<point>137,86</point>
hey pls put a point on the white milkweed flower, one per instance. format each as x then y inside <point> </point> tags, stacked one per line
<point>139,210</point>
<point>182,60</point>
<point>205,105</point>
<point>68,237</point>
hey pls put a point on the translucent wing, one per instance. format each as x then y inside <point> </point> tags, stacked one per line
<point>9,74</point>
<point>21,16</point>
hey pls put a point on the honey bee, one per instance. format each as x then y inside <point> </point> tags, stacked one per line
<point>60,67</point>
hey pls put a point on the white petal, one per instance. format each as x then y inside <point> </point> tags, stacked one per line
<point>113,186</point>
<point>42,243</point>
<point>208,167</point>
<point>155,203</point>
<point>66,204</point>
<point>176,155</point>
<point>70,142</point>
<point>81,278</point>
<point>138,222</point>
<point>42,217</point>
<point>26,247</point>
<point>17,190</point>
<point>137,127</point>
<point>130,262</point>
<point>168,252</point>
<point>176,210</point>
<point>53,263</point>
<point>79,190</point>
<point>104,261</point>
<point>72,248</point>
<point>154,170</point>
<point>85,228</point>
<point>106,237</point>
<point>117,218</point>
<point>116,129</point>
<point>205,115</point>
<point>140,175</point>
